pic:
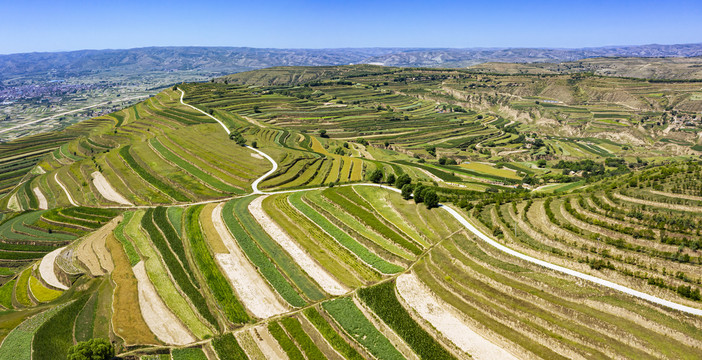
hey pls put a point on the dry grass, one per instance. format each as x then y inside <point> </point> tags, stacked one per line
<point>127,321</point>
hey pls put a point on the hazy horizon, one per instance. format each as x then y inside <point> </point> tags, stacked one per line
<point>44,26</point>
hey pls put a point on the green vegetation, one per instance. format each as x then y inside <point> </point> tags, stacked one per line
<point>539,171</point>
<point>285,342</point>
<point>258,256</point>
<point>344,239</point>
<point>218,284</point>
<point>93,349</point>
<point>382,300</point>
<point>359,328</point>
<point>55,337</point>
<point>188,354</point>
<point>336,341</point>
<point>41,292</point>
<point>293,327</point>
<point>228,348</point>
<point>18,343</point>
<point>151,179</point>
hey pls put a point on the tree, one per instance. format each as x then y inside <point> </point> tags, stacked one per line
<point>431,150</point>
<point>254,144</point>
<point>407,191</point>
<point>256,109</point>
<point>431,200</point>
<point>376,176</point>
<point>402,180</point>
<point>93,349</point>
<point>418,194</point>
<point>390,179</point>
<point>442,160</point>
<point>323,133</point>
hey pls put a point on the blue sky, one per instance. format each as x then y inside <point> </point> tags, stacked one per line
<point>58,25</point>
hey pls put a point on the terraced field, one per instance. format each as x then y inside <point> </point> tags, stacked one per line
<point>158,230</point>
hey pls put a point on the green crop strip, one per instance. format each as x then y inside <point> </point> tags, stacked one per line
<point>129,249</point>
<point>370,219</point>
<point>352,320</point>
<point>285,342</point>
<point>192,169</point>
<point>184,281</point>
<point>53,339</point>
<point>18,343</point>
<point>222,291</point>
<point>343,238</point>
<point>275,252</point>
<point>259,258</point>
<point>293,327</point>
<point>337,341</point>
<point>228,348</point>
<point>167,189</point>
<point>383,301</point>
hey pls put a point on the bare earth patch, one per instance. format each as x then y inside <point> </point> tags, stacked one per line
<point>107,191</point>
<point>445,319</point>
<point>92,252</point>
<point>311,267</point>
<point>257,156</point>
<point>268,345</point>
<point>46,270</point>
<point>250,287</point>
<point>43,204</point>
<point>161,321</point>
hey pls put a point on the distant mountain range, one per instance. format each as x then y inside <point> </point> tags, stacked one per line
<point>224,60</point>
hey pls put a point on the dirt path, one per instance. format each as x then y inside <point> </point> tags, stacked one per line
<point>446,320</point>
<point>68,195</point>
<point>304,260</point>
<point>107,191</point>
<point>251,288</point>
<point>46,269</point>
<point>43,204</point>
<point>268,345</point>
<point>161,321</point>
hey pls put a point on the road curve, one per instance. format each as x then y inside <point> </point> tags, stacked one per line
<point>487,239</point>
<point>182,93</point>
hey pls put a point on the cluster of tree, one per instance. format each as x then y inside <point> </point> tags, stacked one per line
<point>93,349</point>
<point>447,161</point>
<point>236,136</point>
